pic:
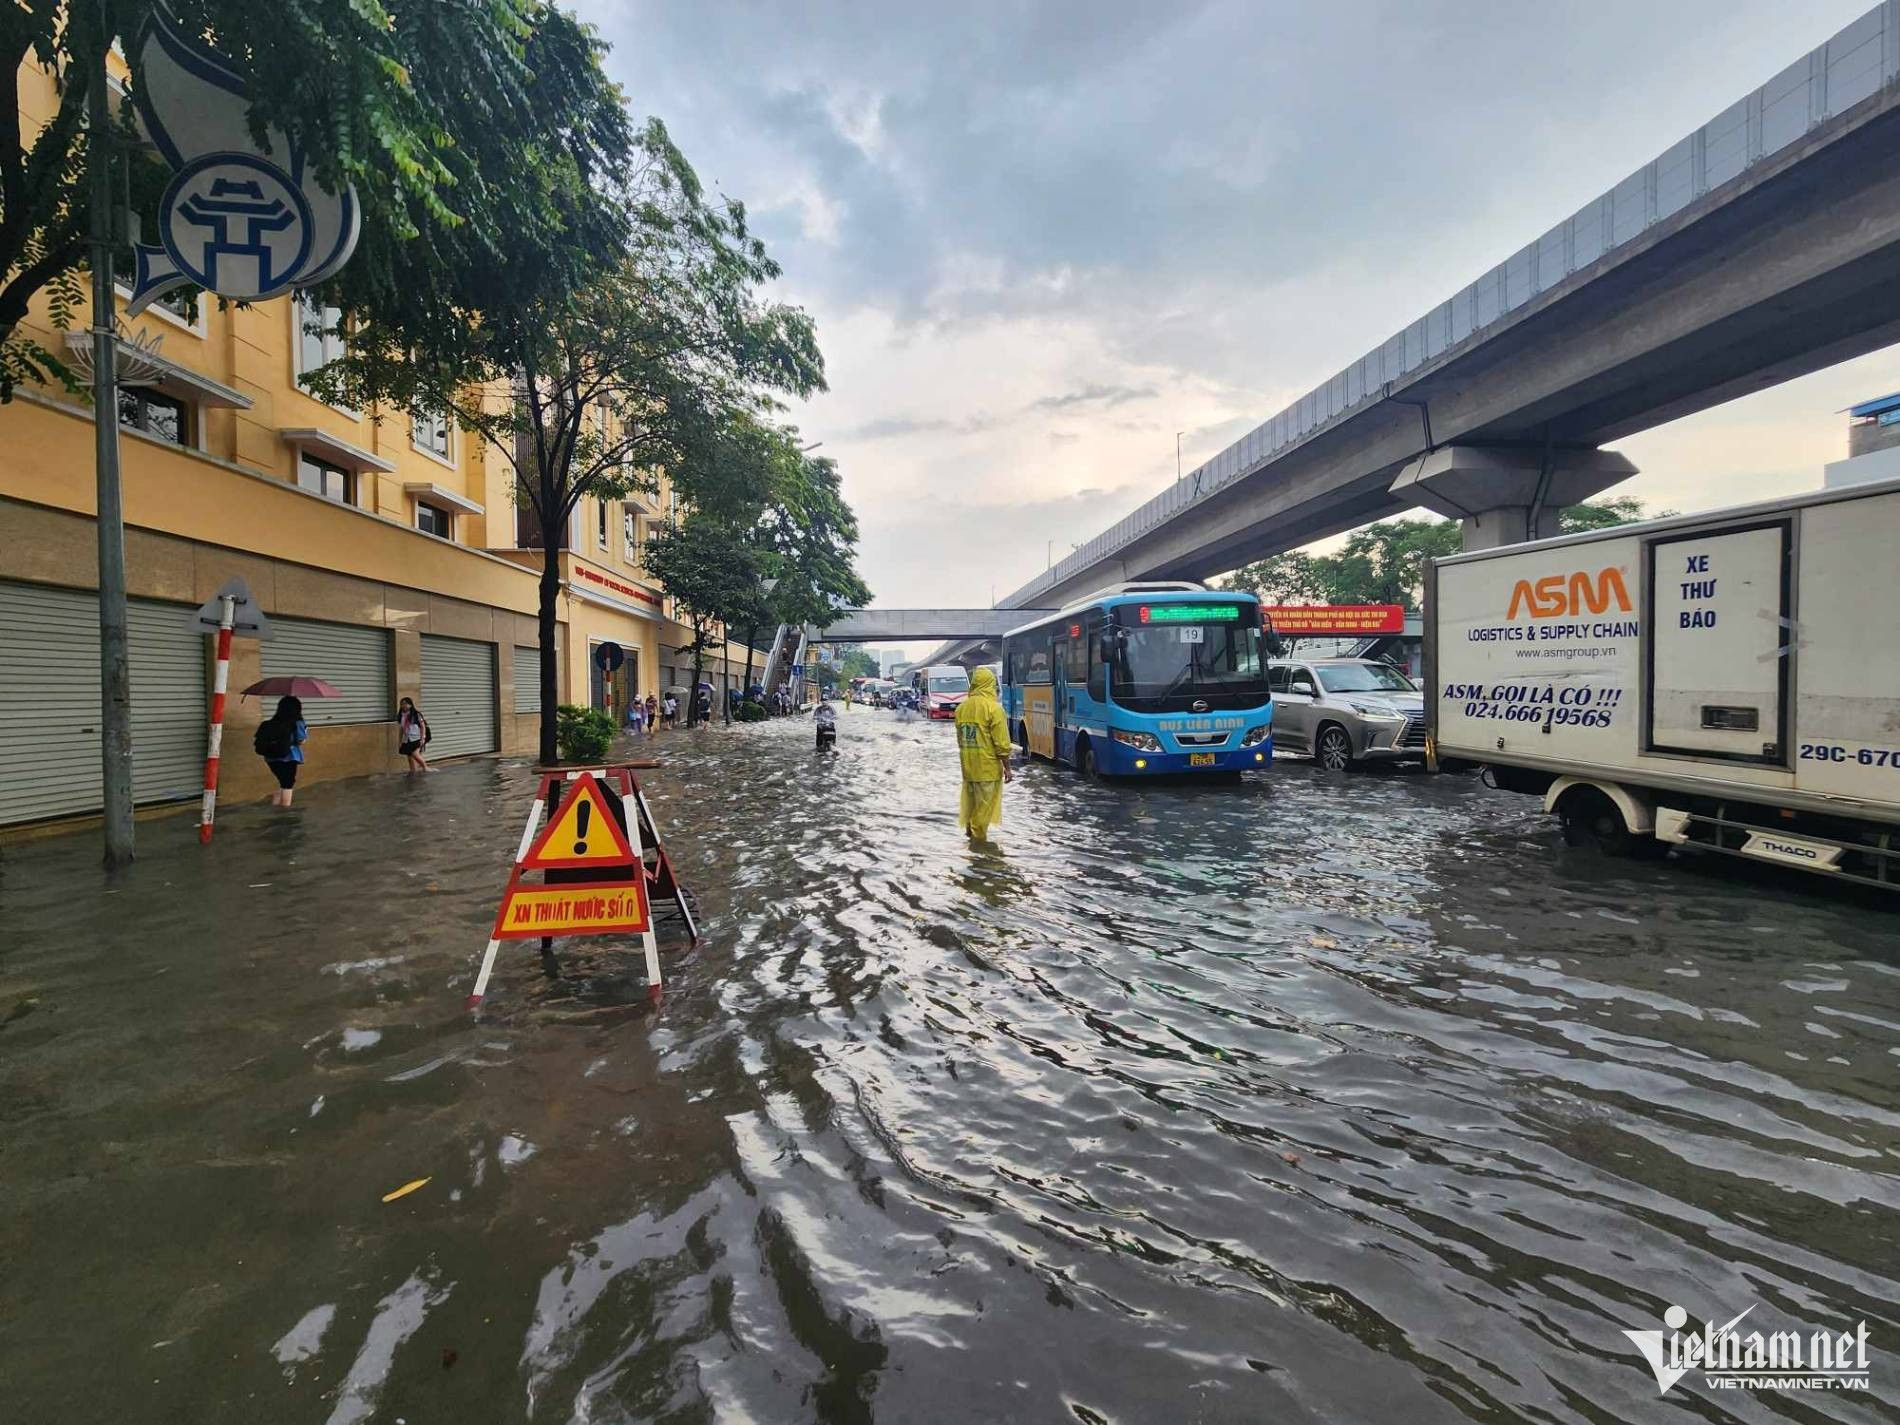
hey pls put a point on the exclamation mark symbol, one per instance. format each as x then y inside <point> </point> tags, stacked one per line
<point>581,814</point>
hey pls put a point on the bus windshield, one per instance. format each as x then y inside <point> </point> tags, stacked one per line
<point>1169,667</point>
<point>956,681</point>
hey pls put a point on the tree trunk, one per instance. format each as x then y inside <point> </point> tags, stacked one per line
<point>550,751</point>
<point>699,670</point>
<point>725,661</point>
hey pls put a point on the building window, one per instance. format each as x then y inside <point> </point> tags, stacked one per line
<point>630,530</point>
<point>160,416</point>
<point>528,528</point>
<point>429,431</point>
<point>432,520</point>
<point>600,522</point>
<point>319,335</point>
<point>320,477</point>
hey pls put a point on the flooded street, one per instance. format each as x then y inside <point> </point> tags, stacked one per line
<point>1308,1097</point>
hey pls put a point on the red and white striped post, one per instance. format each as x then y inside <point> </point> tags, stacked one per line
<point>227,613</point>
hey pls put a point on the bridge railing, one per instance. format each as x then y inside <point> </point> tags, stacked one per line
<point>1853,66</point>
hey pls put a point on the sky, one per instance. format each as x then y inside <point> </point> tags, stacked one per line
<point>1041,239</point>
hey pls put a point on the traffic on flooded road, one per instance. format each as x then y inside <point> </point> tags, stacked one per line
<point>1296,1097</point>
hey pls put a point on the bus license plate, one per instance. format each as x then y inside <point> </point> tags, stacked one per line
<point>1200,759</point>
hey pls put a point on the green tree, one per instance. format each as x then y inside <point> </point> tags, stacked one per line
<point>855,662</point>
<point>1385,563</point>
<point>1606,513</point>
<point>430,108</point>
<point>700,559</point>
<point>663,361</point>
<point>808,538</point>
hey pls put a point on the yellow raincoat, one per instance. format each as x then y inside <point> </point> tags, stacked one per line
<point>983,744</point>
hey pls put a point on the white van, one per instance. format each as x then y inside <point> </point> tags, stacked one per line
<point>940,690</point>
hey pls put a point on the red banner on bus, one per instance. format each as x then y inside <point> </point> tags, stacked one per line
<point>1289,620</point>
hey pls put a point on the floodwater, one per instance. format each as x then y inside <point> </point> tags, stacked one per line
<point>1306,1098</point>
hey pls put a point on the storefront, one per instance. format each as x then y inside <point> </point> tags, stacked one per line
<point>374,641</point>
<point>602,608</point>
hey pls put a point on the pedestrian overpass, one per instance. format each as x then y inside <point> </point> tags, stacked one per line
<point>972,631</point>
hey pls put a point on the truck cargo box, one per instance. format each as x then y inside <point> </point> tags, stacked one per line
<point>1729,680</point>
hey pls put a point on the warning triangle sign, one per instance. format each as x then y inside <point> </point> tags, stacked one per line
<point>583,833</point>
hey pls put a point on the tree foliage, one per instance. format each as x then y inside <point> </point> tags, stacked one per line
<point>757,509</point>
<point>1384,563</point>
<point>440,111</point>
<point>659,359</point>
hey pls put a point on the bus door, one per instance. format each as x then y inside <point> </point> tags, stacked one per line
<point>1088,674</point>
<point>1064,698</point>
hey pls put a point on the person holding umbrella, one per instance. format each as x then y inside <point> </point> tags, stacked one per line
<point>280,738</point>
<point>279,741</point>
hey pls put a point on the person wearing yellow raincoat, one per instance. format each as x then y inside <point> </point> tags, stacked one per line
<point>983,744</point>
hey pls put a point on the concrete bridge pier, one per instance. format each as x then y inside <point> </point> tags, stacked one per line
<point>1507,494</point>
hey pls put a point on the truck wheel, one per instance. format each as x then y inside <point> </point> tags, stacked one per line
<point>1332,749</point>
<point>1590,818</point>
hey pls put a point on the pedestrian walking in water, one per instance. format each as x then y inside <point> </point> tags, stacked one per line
<point>983,746</point>
<point>670,710</point>
<point>636,716</point>
<point>412,734</point>
<point>653,714</point>
<point>279,741</point>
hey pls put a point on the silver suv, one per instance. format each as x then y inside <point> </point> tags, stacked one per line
<point>1343,711</point>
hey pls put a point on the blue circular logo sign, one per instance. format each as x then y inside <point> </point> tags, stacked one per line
<point>237,225</point>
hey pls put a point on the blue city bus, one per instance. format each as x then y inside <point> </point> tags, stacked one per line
<point>1143,679</point>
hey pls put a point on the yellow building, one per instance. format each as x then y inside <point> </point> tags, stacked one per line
<point>386,548</point>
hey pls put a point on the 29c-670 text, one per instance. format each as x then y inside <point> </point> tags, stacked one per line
<point>1866,756</point>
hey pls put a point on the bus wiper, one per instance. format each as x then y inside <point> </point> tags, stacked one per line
<point>1187,675</point>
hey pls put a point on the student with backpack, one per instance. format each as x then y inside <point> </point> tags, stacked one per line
<point>412,734</point>
<point>279,741</point>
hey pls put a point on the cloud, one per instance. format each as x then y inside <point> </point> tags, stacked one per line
<point>1039,240</point>
<point>891,427</point>
<point>1093,395</point>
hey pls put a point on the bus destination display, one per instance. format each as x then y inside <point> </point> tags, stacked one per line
<point>1190,613</point>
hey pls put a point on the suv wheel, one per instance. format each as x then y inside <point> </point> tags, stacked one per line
<point>1332,749</point>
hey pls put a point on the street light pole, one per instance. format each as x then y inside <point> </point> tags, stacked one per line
<point>115,679</point>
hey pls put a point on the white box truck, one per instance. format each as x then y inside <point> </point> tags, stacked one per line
<point>1727,681</point>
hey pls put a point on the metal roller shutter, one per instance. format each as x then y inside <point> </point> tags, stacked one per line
<point>458,695</point>
<point>49,702</point>
<point>354,658</point>
<point>528,679</point>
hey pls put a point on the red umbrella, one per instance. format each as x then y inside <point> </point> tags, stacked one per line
<point>292,688</point>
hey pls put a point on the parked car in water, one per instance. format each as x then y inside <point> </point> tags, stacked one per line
<point>1345,711</point>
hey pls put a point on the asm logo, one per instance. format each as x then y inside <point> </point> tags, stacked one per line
<point>1561,594</point>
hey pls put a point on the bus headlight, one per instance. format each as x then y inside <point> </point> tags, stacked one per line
<point>1257,735</point>
<point>1140,741</point>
